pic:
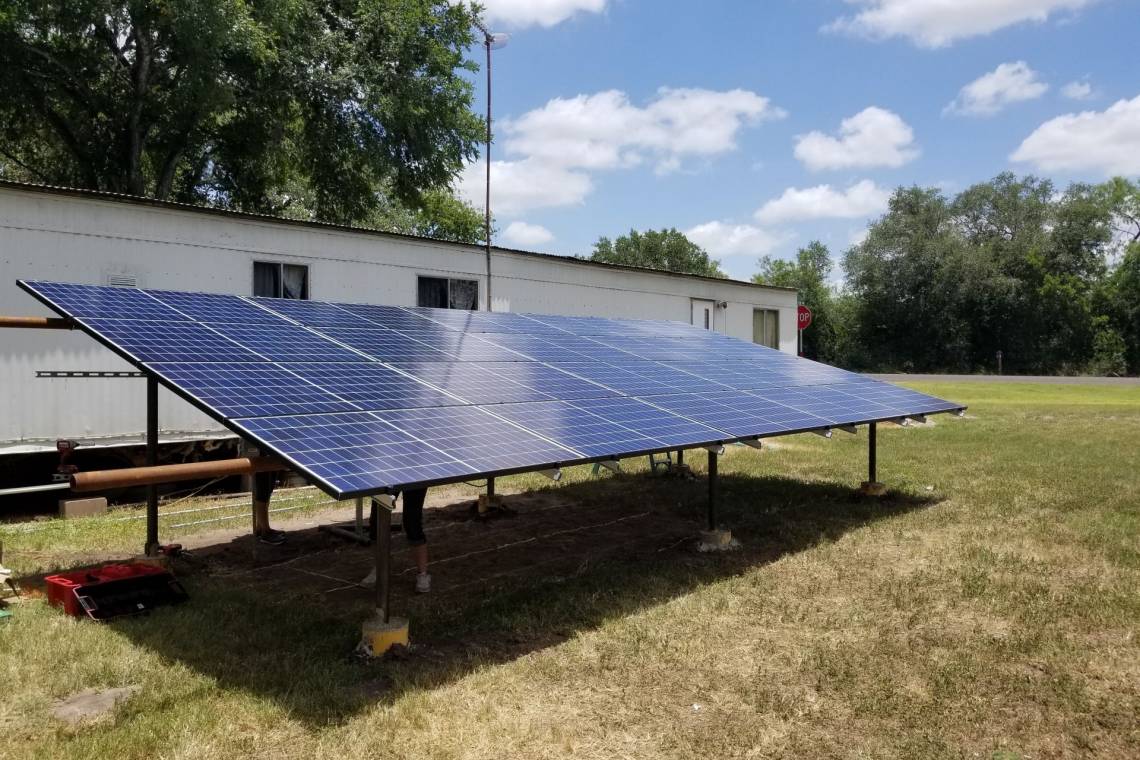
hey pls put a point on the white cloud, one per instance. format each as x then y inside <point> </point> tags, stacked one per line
<point>518,186</point>
<point>873,137</point>
<point>857,237</point>
<point>938,23</point>
<point>551,151</point>
<point>825,202</point>
<point>989,93</point>
<point>520,13</point>
<point>1077,91</point>
<point>1105,141</point>
<point>526,235</point>
<point>726,239</point>
<point>606,131</point>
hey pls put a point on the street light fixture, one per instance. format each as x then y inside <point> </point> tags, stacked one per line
<point>491,41</point>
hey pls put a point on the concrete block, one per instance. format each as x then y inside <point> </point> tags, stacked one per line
<point>717,541</point>
<point>96,505</point>
<point>869,488</point>
<point>378,637</point>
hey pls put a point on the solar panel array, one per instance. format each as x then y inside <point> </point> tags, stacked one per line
<point>366,399</point>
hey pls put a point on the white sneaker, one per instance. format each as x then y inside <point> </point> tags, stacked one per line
<point>423,583</point>
<point>370,579</point>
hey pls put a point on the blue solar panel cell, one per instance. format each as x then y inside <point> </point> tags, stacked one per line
<point>148,340</point>
<point>739,415</point>
<point>553,381</point>
<point>826,402</point>
<point>354,452</point>
<point>668,429</point>
<point>370,385</point>
<point>464,346</point>
<point>482,321</point>
<point>390,317</point>
<point>555,348</point>
<point>571,426</point>
<point>287,342</point>
<point>214,307</point>
<point>310,313</point>
<point>479,439</point>
<point>388,345</point>
<point>249,389</point>
<point>103,302</point>
<point>472,382</point>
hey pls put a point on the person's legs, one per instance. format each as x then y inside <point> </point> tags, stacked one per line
<point>414,532</point>
<point>263,483</point>
<point>413,526</point>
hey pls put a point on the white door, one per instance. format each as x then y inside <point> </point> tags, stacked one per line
<point>704,314</point>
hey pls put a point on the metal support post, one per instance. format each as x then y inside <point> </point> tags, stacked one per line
<point>680,458</point>
<point>713,489</point>
<point>490,489</point>
<point>872,453</point>
<point>151,548</point>
<point>383,545</point>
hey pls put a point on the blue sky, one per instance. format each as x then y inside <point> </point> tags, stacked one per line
<point>758,126</point>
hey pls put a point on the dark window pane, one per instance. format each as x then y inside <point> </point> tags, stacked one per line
<point>295,282</point>
<point>464,295</point>
<point>432,292</point>
<point>266,279</point>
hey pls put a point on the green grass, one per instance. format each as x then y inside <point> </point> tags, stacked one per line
<point>988,607</point>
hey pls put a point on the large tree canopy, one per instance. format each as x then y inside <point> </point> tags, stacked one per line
<point>808,274</point>
<point>666,249</point>
<point>1008,265</point>
<point>333,110</point>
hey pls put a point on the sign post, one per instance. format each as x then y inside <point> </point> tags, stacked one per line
<point>803,321</point>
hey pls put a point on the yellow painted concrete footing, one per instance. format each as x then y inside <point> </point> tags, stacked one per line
<point>717,541</point>
<point>869,488</point>
<point>378,636</point>
<point>487,503</point>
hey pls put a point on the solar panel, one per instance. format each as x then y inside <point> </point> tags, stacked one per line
<point>364,399</point>
<point>250,389</point>
<point>148,340</point>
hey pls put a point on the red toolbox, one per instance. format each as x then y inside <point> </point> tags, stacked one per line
<point>113,590</point>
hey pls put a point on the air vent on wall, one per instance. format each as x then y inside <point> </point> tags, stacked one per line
<point>122,280</point>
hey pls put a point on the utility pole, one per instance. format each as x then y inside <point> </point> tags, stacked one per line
<point>490,42</point>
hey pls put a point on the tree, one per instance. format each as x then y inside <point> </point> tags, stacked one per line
<point>665,249</point>
<point>808,274</point>
<point>301,107</point>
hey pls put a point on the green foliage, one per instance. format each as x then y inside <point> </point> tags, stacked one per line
<point>665,249</point>
<point>1008,265</point>
<point>439,215</point>
<point>328,110</point>
<point>808,275</point>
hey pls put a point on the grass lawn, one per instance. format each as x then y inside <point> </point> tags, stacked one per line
<point>989,606</point>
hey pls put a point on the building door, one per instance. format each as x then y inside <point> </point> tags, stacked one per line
<point>704,313</point>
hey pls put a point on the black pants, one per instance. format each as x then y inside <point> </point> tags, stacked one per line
<point>413,517</point>
<point>263,483</point>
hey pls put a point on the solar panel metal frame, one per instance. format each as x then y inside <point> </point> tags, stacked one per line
<point>233,423</point>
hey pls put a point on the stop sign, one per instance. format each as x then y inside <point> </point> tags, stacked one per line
<point>804,317</point>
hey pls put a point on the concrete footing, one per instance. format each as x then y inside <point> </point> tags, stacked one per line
<point>717,541</point>
<point>82,507</point>
<point>378,637</point>
<point>872,488</point>
<point>489,503</point>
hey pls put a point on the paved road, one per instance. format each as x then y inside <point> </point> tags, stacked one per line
<point>1042,379</point>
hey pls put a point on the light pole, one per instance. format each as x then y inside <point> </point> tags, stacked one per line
<point>490,42</point>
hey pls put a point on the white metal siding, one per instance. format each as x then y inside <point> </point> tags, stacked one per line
<point>99,241</point>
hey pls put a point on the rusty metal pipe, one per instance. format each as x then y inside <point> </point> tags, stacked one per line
<point>48,323</point>
<point>83,482</point>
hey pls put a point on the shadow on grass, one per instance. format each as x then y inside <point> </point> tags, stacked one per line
<point>280,642</point>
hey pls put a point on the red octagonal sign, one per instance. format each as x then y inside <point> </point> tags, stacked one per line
<point>804,317</point>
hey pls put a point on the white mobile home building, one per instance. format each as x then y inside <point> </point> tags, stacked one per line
<point>103,239</point>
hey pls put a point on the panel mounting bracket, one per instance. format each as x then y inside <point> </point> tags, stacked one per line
<point>823,432</point>
<point>918,418</point>
<point>718,449</point>
<point>612,465</point>
<point>554,474</point>
<point>848,429</point>
<point>753,443</point>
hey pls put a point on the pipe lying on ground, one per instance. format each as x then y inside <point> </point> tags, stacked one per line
<point>48,323</point>
<point>82,482</point>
